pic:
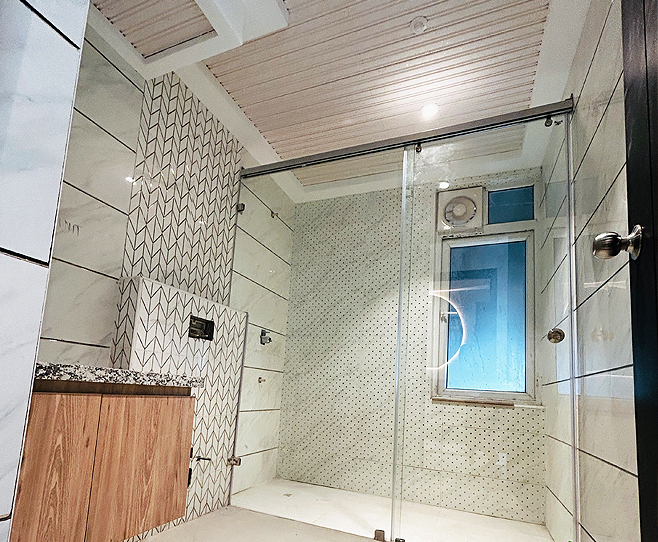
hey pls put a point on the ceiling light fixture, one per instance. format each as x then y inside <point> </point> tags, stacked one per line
<point>429,111</point>
<point>418,25</point>
<point>443,185</point>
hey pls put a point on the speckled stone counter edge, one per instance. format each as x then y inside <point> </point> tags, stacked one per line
<point>86,373</point>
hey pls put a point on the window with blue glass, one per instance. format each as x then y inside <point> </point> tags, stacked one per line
<point>511,205</point>
<point>486,335</point>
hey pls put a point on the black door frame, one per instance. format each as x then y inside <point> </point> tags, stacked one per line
<point>640,30</point>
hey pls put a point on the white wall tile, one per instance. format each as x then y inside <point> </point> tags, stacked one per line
<point>68,16</point>
<point>257,220</point>
<point>52,351</point>
<point>255,469</point>
<point>256,262</point>
<point>559,471</point>
<point>89,233</point>
<point>604,327</point>
<point>606,413</point>
<point>264,307</point>
<point>264,356</point>
<point>273,196</point>
<point>592,272</point>
<point>260,389</point>
<point>603,161</point>
<point>81,305</point>
<point>601,79</point>
<point>99,164</point>
<point>608,501</point>
<point>559,521</point>
<point>557,400</point>
<point>108,98</point>
<point>38,71</point>
<point>257,431</point>
<point>22,292</point>
<point>115,58</point>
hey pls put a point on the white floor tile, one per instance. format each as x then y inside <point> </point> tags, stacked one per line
<point>361,514</point>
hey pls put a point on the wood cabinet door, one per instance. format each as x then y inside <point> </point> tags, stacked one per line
<point>142,461</point>
<point>58,460</point>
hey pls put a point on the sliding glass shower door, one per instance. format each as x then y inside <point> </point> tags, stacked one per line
<point>485,373</point>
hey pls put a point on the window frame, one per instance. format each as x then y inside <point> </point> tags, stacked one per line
<point>498,233</point>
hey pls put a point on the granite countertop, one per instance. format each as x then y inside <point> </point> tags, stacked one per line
<point>86,373</point>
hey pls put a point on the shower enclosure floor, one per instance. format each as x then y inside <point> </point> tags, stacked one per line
<point>233,524</point>
<point>361,514</point>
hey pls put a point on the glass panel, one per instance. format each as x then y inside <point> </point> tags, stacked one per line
<point>511,205</point>
<point>487,450</point>
<point>486,329</point>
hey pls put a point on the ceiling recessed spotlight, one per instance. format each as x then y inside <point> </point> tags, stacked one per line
<point>418,25</point>
<point>443,185</point>
<point>429,111</point>
<point>130,179</point>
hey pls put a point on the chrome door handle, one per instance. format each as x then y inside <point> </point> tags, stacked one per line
<point>608,245</point>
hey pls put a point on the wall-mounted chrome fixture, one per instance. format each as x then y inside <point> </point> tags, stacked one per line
<point>608,245</point>
<point>240,207</point>
<point>264,337</point>
<point>261,380</point>
<point>200,328</point>
<point>555,335</point>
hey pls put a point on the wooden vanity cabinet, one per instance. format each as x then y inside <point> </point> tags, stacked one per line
<point>102,468</point>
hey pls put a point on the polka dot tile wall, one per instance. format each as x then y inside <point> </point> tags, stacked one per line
<point>338,391</point>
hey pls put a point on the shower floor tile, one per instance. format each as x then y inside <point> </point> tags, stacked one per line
<point>361,514</point>
<point>236,525</point>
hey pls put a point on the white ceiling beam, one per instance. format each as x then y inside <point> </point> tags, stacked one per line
<point>234,21</point>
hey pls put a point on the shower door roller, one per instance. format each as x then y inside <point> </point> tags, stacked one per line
<point>608,245</point>
<point>555,335</point>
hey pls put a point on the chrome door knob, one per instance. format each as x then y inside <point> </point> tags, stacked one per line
<point>608,245</point>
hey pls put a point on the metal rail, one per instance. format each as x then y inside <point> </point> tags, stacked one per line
<point>508,119</point>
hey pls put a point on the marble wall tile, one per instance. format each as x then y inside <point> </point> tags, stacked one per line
<point>113,57</point>
<point>22,292</point>
<point>253,260</point>
<point>559,521</point>
<point>257,431</point>
<point>604,327</point>
<point>606,418</point>
<point>108,97</point>
<point>99,164</point>
<point>604,159</point>
<point>38,71</point>
<point>608,501</point>
<point>592,272</point>
<point>81,305</point>
<point>4,531</point>
<point>264,307</point>
<point>264,356</point>
<point>421,485</point>
<point>255,469</point>
<point>557,400</point>
<point>266,189</point>
<point>601,79</point>
<point>589,41</point>
<point>68,16</point>
<point>89,233</point>
<point>260,389</point>
<point>52,351</point>
<point>559,471</point>
<point>257,221</point>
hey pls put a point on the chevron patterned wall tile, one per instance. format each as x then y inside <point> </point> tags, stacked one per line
<point>181,224</point>
<point>160,343</point>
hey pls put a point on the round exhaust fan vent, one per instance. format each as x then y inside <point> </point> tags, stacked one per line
<point>459,211</point>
